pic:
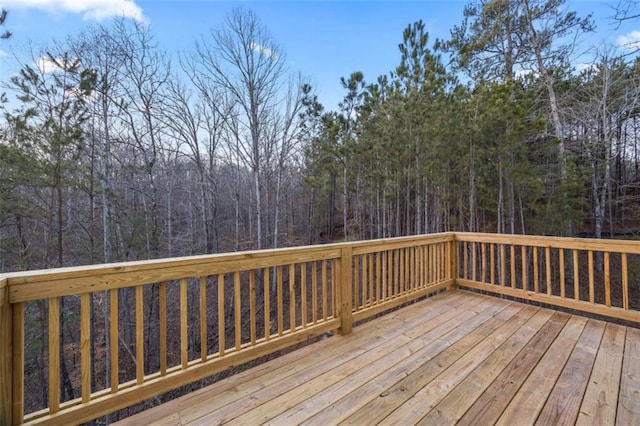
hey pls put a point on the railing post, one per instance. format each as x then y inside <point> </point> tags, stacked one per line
<point>345,290</point>
<point>6,352</point>
<point>453,262</point>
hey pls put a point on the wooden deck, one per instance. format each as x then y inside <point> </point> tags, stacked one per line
<point>459,357</point>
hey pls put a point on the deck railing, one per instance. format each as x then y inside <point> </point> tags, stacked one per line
<point>590,275</point>
<point>92,340</point>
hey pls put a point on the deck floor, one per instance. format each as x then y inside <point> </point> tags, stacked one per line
<point>459,358</point>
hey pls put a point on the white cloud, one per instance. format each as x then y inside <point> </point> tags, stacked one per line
<point>3,53</point>
<point>90,9</point>
<point>262,50</point>
<point>46,65</point>
<point>630,41</point>
<point>523,74</point>
<point>586,67</point>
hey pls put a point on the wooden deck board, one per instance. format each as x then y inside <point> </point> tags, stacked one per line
<point>528,402</point>
<point>473,390</point>
<point>451,345</point>
<point>628,407</point>
<point>457,357</point>
<point>421,349</point>
<point>489,407</point>
<point>601,398</point>
<point>564,401</point>
<point>282,393</point>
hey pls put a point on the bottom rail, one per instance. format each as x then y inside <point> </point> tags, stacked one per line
<point>578,305</point>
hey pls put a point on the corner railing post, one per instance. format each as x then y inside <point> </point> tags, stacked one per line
<point>345,290</point>
<point>6,352</point>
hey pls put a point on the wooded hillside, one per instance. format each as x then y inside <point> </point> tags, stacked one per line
<point>110,151</point>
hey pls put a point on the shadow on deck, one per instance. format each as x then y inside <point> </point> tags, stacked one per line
<point>458,357</point>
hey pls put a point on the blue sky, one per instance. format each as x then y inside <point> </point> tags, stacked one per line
<point>323,39</point>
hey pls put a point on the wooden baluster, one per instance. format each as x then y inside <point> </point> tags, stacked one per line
<point>607,280</point>
<point>323,280</point>
<point>465,256</point>
<point>576,276</point>
<point>314,292</point>
<point>365,284</point>
<point>335,298</point>
<point>252,307</point>
<point>547,258</point>
<point>436,262</point>
<point>203,319</point>
<point>378,277</point>
<point>440,261</point>
<point>402,256</point>
<point>396,273</point>
<point>280,308</point>
<point>452,256</point>
<point>303,294</point>
<point>492,260</point>
<point>237,311</point>
<point>591,279</point>
<point>85,346</point>
<point>384,276</point>
<point>266,283</point>
<point>412,268</point>
<point>371,264</point>
<point>292,297</point>
<point>222,329</point>
<point>163,334</point>
<point>561,267</point>
<point>483,259</point>
<point>536,279</point>
<point>503,269</point>
<point>473,262</point>
<point>512,260</point>
<point>356,281</point>
<point>523,261</point>
<point>184,336</point>
<point>421,269</point>
<point>625,281</point>
<point>139,334</point>
<point>54,355</point>
<point>408,286</point>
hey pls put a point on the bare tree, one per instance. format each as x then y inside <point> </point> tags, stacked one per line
<point>147,71</point>
<point>245,61</point>
<point>287,141</point>
<point>626,10</point>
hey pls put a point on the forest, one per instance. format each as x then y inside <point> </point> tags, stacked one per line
<point>111,149</point>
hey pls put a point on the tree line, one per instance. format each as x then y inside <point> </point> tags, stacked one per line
<point>112,149</point>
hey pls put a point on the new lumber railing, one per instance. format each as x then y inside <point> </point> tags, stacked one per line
<point>88,341</point>
<point>600,277</point>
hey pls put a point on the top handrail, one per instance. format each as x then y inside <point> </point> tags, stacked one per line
<point>595,244</point>
<point>44,283</point>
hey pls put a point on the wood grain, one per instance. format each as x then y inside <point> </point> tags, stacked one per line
<point>628,407</point>
<point>564,401</point>
<point>530,398</point>
<point>601,397</point>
